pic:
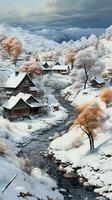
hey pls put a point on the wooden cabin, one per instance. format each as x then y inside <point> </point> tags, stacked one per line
<point>20,82</point>
<point>59,69</point>
<point>16,108</point>
<point>97,82</point>
<point>23,106</point>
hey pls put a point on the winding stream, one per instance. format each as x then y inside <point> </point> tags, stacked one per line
<point>71,189</point>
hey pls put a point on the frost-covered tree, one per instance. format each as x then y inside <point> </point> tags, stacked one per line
<point>108,33</point>
<point>86,61</point>
<point>101,49</point>
<point>92,40</point>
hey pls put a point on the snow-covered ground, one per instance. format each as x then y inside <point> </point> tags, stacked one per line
<point>93,169</point>
<point>38,184</point>
<point>72,147</point>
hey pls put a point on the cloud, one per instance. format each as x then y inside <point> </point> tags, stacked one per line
<point>58,14</point>
<point>49,5</point>
<point>69,33</point>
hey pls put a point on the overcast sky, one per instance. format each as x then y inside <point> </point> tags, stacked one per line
<point>83,16</point>
<point>57,13</point>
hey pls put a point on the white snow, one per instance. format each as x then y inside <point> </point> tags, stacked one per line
<point>14,80</point>
<point>73,146</point>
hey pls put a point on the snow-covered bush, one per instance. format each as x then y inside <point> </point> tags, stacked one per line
<point>93,40</point>
<point>25,165</point>
<point>3,148</point>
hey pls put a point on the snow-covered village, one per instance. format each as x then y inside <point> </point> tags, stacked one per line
<point>55,108</point>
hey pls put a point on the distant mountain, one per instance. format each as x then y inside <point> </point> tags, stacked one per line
<point>30,41</point>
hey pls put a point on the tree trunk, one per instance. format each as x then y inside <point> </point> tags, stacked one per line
<point>86,74</point>
<point>91,141</point>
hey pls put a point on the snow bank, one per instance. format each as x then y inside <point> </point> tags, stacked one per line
<point>38,185</point>
<point>73,148</point>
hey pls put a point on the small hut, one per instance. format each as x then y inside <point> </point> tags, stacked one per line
<point>59,69</point>
<point>23,106</point>
<point>97,82</point>
<point>16,108</point>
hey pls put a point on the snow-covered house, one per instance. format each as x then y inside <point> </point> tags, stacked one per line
<point>61,69</point>
<point>97,81</point>
<point>22,106</point>
<point>21,82</point>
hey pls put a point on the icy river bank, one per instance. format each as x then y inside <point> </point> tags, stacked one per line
<point>70,188</point>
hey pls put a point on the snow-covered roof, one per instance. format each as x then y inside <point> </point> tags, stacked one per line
<point>24,97</point>
<point>12,102</point>
<point>15,80</point>
<point>60,67</point>
<point>50,63</point>
<point>98,79</point>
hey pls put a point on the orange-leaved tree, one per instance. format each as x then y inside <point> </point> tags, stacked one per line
<point>106,96</point>
<point>83,106</point>
<point>70,58</point>
<point>13,47</point>
<point>31,67</point>
<point>89,120</point>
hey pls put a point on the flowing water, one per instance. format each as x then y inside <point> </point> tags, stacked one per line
<point>70,188</point>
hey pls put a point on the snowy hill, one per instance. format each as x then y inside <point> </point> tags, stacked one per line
<point>93,169</point>
<point>28,40</point>
<point>97,53</point>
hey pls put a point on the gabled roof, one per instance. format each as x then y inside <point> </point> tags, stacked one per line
<point>14,100</point>
<point>98,80</point>
<point>57,63</point>
<point>26,96</point>
<point>60,67</point>
<point>15,80</point>
<point>49,63</point>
